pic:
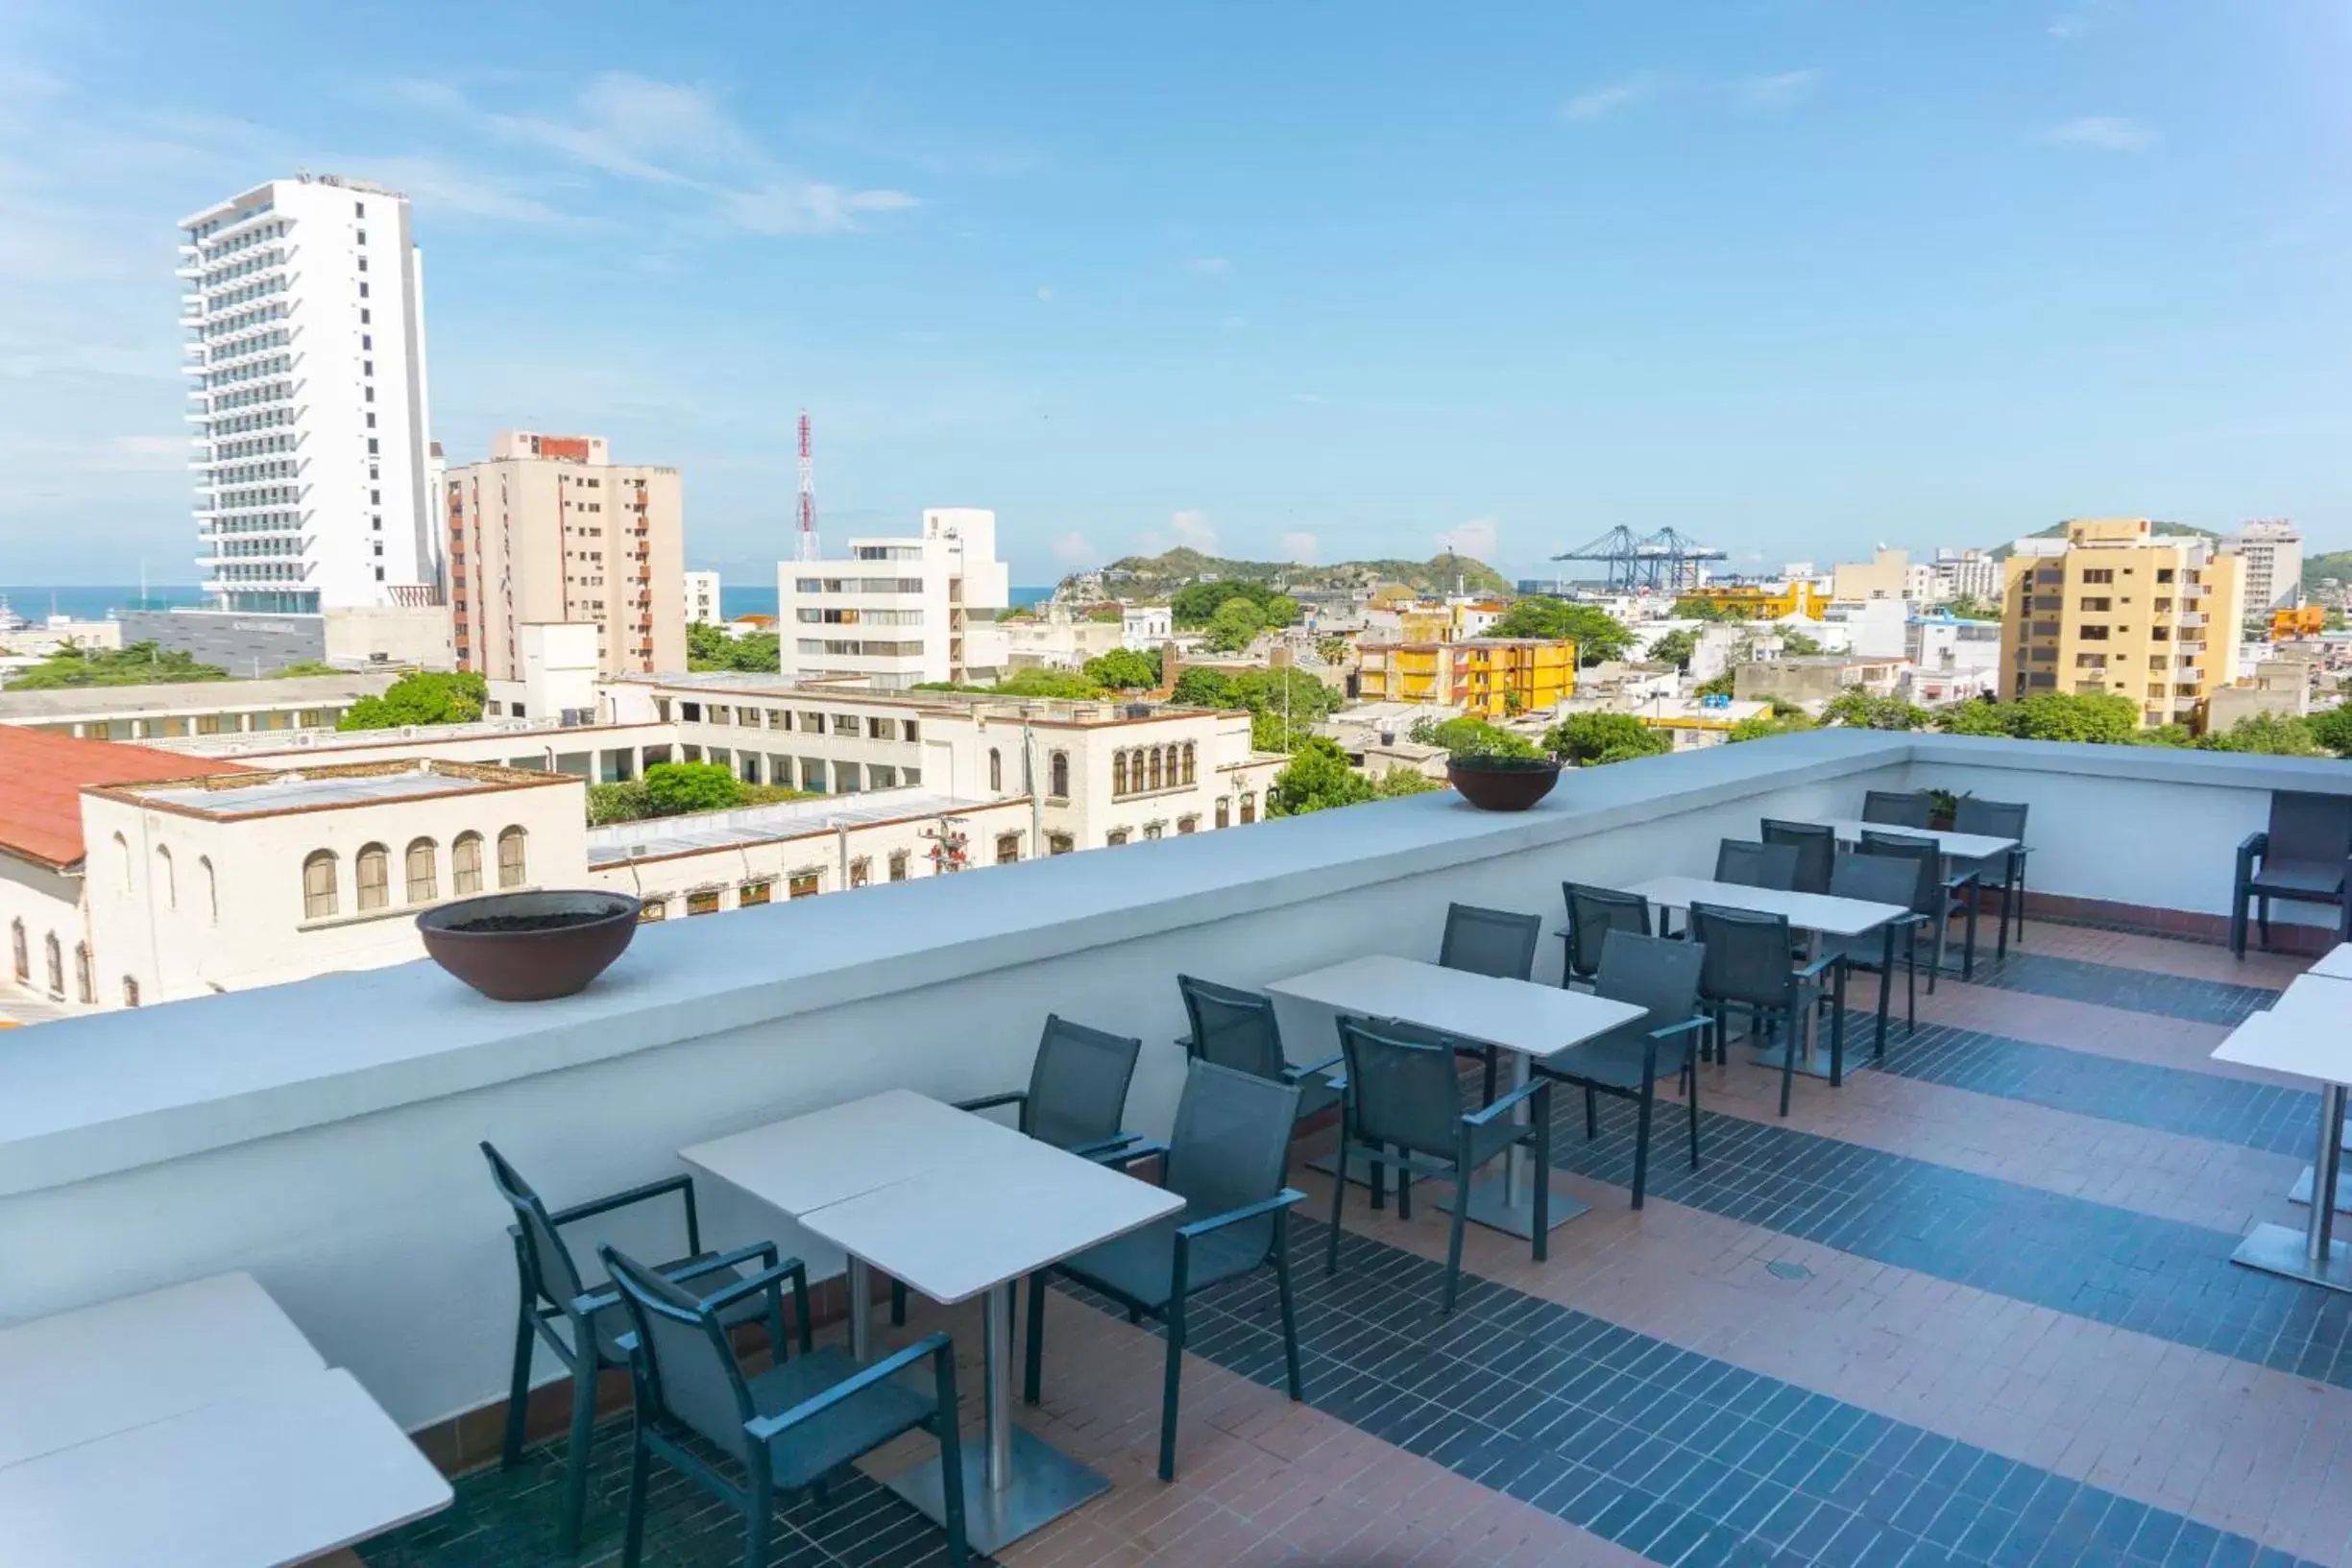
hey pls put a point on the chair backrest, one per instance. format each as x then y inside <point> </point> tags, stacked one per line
<point>1656,973</point>
<point>1927,870</point>
<point>1752,864</point>
<point>1816,847</point>
<point>1876,879</point>
<point>2305,827</point>
<point>1747,955</point>
<point>1078,1086</point>
<point>545,1256</point>
<point>1402,1086</point>
<point>1231,1145</point>
<point>687,1374</point>
<point>1897,807</point>
<point>1233,1028</point>
<point>1994,819</point>
<point>1594,913</point>
<point>1492,942</point>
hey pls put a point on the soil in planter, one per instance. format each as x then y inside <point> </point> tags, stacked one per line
<point>497,925</point>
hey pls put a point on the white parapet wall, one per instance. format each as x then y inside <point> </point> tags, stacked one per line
<point>322,1134</point>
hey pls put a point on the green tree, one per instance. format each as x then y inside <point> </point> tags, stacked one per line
<point>2104,718</point>
<point>1319,778</point>
<point>1675,649</point>
<point>2332,727</point>
<point>1698,609</point>
<point>301,668</point>
<point>1798,644</point>
<point>1196,604</point>
<point>1066,684</point>
<point>425,697</point>
<point>140,664</point>
<point>1965,607</point>
<point>1715,685</point>
<point>1203,689</point>
<point>1235,625</point>
<point>1857,709</point>
<point>1125,670</point>
<point>1468,736</point>
<point>623,801</point>
<point>1109,615</point>
<point>706,646</point>
<point>1281,610</point>
<point>1587,738</point>
<point>675,787</point>
<point>759,651</point>
<point>2275,734</point>
<point>1598,633</point>
<point>1764,726</point>
<point>1404,781</point>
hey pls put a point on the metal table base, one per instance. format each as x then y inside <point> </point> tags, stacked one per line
<point>1495,1205</point>
<point>2314,1255</point>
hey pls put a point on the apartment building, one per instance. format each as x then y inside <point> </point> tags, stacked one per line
<point>2272,550</point>
<point>1487,677</point>
<point>1763,601</point>
<point>1888,574</point>
<point>702,601</point>
<point>303,302</point>
<point>1966,574</point>
<point>2112,607</point>
<point>550,529</point>
<point>898,612</point>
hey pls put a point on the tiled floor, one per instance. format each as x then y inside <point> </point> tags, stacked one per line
<point>1974,1309</point>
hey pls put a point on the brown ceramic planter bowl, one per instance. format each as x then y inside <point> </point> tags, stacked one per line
<point>529,946</point>
<point>1502,784</point>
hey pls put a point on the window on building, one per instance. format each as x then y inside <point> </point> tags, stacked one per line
<point>898,865</point>
<point>1154,830</point>
<point>513,868</point>
<point>57,965</point>
<point>844,724</point>
<point>1225,813</point>
<point>131,992</point>
<point>424,871</point>
<point>166,883</point>
<point>375,873</point>
<point>995,770</point>
<point>1155,762</point>
<point>1186,825</point>
<point>1115,837</point>
<point>650,910</point>
<point>1007,848</point>
<point>813,775</point>
<point>86,975</point>
<point>909,730</point>
<point>1059,843</point>
<point>1118,773</point>
<point>704,903</point>
<point>1249,808</point>
<point>1188,761</point>
<point>22,958</point>
<point>860,871</point>
<point>846,779</point>
<point>1058,776</point>
<point>466,864</point>
<point>802,884</point>
<point>122,854</point>
<point>753,893</point>
<point>319,884</point>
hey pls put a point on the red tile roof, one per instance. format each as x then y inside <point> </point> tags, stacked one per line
<point>42,776</point>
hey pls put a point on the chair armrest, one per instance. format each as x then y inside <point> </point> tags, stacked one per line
<point>765,1251</point>
<point>1247,1211</point>
<point>1142,1149</point>
<point>767,1279</point>
<point>1813,971</point>
<point>2251,848</point>
<point>987,1102</point>
<point>1295,1073</point>
<point>1184,1044</point>
<point>1111,1146</point>
<point>620,1201</point>
<point>1684,1026</point>
<point>765,1428</point>
<point>1503,1102</point>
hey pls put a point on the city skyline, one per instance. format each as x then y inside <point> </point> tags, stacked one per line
<point>1338,293</point>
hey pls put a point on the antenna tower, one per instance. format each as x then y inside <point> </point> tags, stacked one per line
<point>808,494</point>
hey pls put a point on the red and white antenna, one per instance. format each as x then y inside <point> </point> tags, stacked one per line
<point>808,494</point>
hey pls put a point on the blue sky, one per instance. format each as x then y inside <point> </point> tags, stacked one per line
<point>1795,275</point>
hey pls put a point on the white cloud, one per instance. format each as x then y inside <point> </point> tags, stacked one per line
<point>1786,89</point>
<point>1191,530</point>
<point>1301,549</point>
<point>1475,537</point>
<point>2102,134</point>
<point>1209,265</point>
<point>1076,550</point>
<point>443,188</point>
<point>1045,295</point>
<point>1600,103</point>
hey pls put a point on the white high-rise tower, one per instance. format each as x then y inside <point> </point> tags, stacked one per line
<point>305,304</point>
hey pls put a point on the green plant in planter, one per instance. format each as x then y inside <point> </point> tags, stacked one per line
<point>1942,805</point>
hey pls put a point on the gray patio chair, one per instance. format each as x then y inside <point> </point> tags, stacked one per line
<point>1897,807</point>
<point>1404,1108</point>
<point>1996,819</point>
<point>1874,878</point>
<point>2300,858</point>
<point>1228,1157</point>
<point>1076,1099</point>
<point>550,1292</point>
<point>1816,847</point>
<point>1750,864</point>
<point>1594,913</point>
<point>1494,942</point>
<point>1938,896</point>
<point>1238,1029</point>
<point>785,1429</point>
<point>1660,977</point>
<point>1748,966</point>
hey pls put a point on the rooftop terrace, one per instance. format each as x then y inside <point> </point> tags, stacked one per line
<point>1973,1307</point>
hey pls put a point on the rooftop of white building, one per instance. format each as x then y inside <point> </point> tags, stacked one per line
<point>230,795</point>
<point>623,841</point>
<point>51,703</point>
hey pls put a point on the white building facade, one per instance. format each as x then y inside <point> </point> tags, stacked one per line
<point>702,598</point>
<point>1966,574</point>
<point>2273,552</point>
<point>305,304</point>
<point>897,611</point>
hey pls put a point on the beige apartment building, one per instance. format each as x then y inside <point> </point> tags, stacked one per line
<point>551,529</point>
<point>2113,608</point>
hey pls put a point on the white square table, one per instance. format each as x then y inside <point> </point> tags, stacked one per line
<point>1521,1016</point>
<point>2335,964</point>
<point>1818,912</point>
<point>1950,845</point>
<point>283,1474</point>
<point>93,1371</point>
<point>955,1206</point>
<point>2306,1038</point>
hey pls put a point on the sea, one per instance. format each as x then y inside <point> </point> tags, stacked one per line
<point>755,600</point>
<point>95,603</point>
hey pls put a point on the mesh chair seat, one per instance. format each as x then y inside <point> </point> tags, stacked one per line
<point>1140,1267</point>
<point>2314,878</point>
<point>831,1438</point>
<point>611,1320</point>
<point>1617,1058</point>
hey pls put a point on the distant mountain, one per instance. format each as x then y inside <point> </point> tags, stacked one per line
<point>2336,564</point>
<point>1157,576</point>
<point>2057,530</point>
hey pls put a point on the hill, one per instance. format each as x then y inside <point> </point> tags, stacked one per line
<point>2336,564</point>
<point>1157,576</point>
<point>2057,530</point>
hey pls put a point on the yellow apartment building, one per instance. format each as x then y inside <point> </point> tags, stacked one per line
<point>1488,677</point>
<point>1763,601</point>
<point>2114,608</point>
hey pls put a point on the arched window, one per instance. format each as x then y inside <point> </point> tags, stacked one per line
<point>166,883</point>
<point>1059,843</point>
<point>122,859</point>
<point>1007,848</point>
<point>319,884</point>
<point>1155,773</point>
<point>1118,773</point>
<point>131,992</point>
<point>213,890</point>
<point>374,874</point>
<point>512,868</point>
<point>1188,761</point>
<point>1058,776</point>
<point>996,769</point>
<point>466,864</point>
<point>424,871</point>
<point>57,964</point>
<point>1249,808</point>
<point>85,980</point>
<point>1225,813</point>
<point>16,951</point>
<point>1115,837</point>
<point>898,865</point>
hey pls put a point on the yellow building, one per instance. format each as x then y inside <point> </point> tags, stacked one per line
<point>1488,677</point>
<point>2115,609</point>
<point>2304,620</point>
<point>1759,601</point>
